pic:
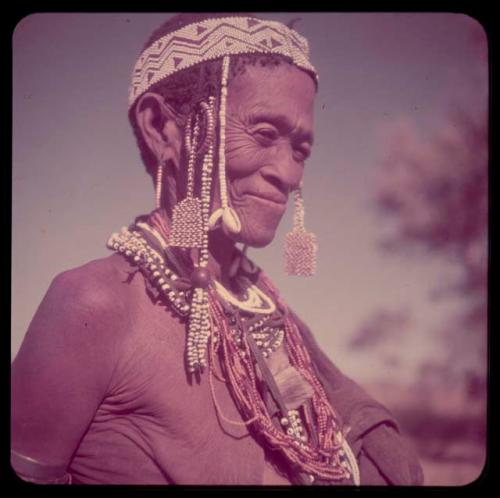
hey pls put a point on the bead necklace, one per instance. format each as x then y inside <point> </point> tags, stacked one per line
<point>327,456</point>
<point>322,458</point>
<point>268,337</point>
<point>256,301</point>
<point>134,247</point>
<point>132,244</point>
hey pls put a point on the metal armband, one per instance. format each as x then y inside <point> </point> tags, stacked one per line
<point>31,470</point>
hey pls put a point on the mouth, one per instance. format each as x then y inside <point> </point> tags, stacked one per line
<point>269,203</point>
<point>276,199</point>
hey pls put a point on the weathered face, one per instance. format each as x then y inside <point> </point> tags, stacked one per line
<point>269,133</point>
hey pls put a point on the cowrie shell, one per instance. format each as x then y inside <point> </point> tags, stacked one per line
<point>231,220</point>
<point>214,218</point>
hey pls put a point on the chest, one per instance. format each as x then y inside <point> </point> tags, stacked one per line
<point>179,422</point>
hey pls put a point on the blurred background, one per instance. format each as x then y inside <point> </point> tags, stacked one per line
<point>396,191</point>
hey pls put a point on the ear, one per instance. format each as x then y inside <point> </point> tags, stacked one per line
<point>159,128</point>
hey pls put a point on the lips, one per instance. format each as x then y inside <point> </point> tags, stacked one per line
<point>275,197</point>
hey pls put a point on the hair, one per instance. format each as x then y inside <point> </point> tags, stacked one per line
<point>184,90</point>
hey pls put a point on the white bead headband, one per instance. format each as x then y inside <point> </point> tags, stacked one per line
<point>211,39</point>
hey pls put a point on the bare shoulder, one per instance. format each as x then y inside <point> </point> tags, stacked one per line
<point>110,291</point>
<point>100,284</point>
<point>84,316</point>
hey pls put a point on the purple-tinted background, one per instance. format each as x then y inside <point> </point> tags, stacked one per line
<point>77,174</point>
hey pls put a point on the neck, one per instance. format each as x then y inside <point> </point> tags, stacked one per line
<point>221,254</point>
<point>221,247</point>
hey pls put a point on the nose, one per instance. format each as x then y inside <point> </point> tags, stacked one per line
<point>286,172</point>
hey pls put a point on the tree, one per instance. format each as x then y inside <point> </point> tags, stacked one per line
<point>435,192</point>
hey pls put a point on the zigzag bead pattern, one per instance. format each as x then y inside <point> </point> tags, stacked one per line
<point>211,39</point>
<point>300,253</point>
<point>187,224</point>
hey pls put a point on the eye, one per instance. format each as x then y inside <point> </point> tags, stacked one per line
<point>302,151</point>
<point>265,134</point>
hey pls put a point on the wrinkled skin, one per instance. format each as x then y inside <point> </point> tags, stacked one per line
<point>269,134</point>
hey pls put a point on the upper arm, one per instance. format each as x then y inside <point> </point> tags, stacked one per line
<point>386,457</point>
<point>62,370</point>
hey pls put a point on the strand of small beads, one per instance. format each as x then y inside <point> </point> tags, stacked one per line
<point>199,320</point>
<point>240,370</point>
<point>135,248</point>
<point>268,339</point>
<point>229,217</point>
<point>330,436</point>
<point>256,301</point>
<point>294,427</point>
<point>328,431</point>
<point>187,222</point>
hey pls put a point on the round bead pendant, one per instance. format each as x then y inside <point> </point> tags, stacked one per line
<point>200,278</point>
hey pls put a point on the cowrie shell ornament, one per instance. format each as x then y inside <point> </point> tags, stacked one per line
<point>230,219</point>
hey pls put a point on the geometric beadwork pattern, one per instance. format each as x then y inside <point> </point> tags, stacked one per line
<point>211,39</point>
<point>187,224</point>
<point>300,253</point>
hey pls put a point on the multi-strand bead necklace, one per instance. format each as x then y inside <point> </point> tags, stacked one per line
<point>311,440</point>
<point>132,244</point>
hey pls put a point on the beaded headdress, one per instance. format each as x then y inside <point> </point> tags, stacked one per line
<point>212,39</point>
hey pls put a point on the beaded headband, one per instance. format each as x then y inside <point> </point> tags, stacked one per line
<point>213,38</point>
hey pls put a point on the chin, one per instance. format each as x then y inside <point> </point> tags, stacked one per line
<point>255,238</point>
<point>258,226</point>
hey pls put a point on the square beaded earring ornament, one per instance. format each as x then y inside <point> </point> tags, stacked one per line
<point>300,245</point>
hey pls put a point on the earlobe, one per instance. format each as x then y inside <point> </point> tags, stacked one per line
<point>157,123</point>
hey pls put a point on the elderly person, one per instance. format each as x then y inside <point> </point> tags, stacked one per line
<point>174,360</point>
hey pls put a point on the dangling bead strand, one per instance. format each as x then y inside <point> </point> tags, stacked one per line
<point>230,219</point>
<point>199,322</point>
<point>187,223</point>
<point>300,245</point>
<point>159,179</point>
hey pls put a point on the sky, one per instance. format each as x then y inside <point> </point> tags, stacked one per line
<point>78,177</point>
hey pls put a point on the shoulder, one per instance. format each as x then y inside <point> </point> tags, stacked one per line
<point>78,327</point>
<point>93,283</point>
<point>111,297</point>
<point>92,301</point>
<point>384,449</point>
<point>101,286</point>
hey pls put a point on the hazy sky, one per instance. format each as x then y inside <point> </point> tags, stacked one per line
<point>77,174</point>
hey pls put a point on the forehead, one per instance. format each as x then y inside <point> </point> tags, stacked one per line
<point>283,88</point>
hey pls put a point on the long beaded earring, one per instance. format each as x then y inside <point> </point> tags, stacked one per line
<point>230,219</point>
<point>187,225</point>
<point>300,245</point>
<point>159,180</point>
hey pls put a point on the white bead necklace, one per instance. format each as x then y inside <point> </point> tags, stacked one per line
<point>256,302</point>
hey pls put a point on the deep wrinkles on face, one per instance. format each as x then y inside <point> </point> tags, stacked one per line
<point>242,146</point>
<point>253,164</point>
